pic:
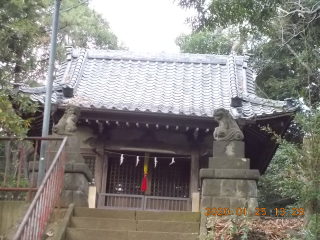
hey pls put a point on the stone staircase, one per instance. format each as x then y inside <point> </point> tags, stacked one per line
<point>105,224</point>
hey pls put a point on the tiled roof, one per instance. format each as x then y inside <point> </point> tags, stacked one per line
<point>189,84</point>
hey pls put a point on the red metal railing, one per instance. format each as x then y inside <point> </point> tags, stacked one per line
<point>16,176</point>
<point>47,197</point>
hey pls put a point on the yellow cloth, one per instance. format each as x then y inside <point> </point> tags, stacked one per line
<point>146,163</point>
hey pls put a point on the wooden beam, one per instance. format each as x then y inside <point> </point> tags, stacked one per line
<point>177,149</point>
<point>87,152</point>
<point>143,118</point>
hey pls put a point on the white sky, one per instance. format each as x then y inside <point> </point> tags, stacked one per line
<point>145,25</point>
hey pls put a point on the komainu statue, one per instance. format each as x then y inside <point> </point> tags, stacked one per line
<point>67,125</point>
<point>228,129</point>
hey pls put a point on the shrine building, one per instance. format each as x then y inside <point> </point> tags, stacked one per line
<point>146,121</point>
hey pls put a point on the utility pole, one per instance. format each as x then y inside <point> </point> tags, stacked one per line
<point>47,104</point>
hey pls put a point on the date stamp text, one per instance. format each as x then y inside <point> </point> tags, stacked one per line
<point>258,212</point>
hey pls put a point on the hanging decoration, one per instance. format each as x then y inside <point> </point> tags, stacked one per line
<point>145,170</point>
<point>138,158</point>
<point>146,163</point>
<point>172,162</point>
<point>155,162</point>
<point>121,159</point>
<point>135,156</point>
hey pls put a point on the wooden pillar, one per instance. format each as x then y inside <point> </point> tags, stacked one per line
<point>149,176</point>
<point>194,181</point>
<point>104,179</point>
<point>98,169</point>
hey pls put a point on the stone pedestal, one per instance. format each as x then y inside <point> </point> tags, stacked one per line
<point>77,174</point>
<point>229,163</point>
<point>77,177</point>
<point>72,147</point>
<point>228,149</point>
<point>229,187</point>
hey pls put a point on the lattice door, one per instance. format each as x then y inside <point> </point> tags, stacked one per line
<point>125,178</point>
<point>91,162</point>
<point>171,180</point>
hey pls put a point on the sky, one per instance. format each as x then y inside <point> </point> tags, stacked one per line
<point>145,25</point>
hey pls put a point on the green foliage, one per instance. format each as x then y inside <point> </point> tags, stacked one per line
<point>301,166</point>
<point>83,27</point>
<point>206,42</point>
<point>19,33</point>
<point>278,183</point>
<point>12,122</point>
<point>25,29</point>
<point>283,37</point>
<point>12,181</point>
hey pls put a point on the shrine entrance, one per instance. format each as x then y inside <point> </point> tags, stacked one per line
<point>167,184</point>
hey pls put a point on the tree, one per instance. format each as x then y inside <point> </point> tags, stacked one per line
<point>19,35</point>
<point>301,179</point>
<point>283,35</point>
<point>284,39</point>
<point>25,28</point>
<point>207,42</point>
<point>79,26</point>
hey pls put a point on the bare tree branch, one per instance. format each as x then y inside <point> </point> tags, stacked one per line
<point>284,44</point>
<point>299,11</point>
<point>298,58</point>
<point>75,6</point>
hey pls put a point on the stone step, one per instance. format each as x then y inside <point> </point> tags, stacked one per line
<point>168,226</point>
<point>104,223</point>
<point>95,234</point>
<point>168,216</point>
<point>99,234</point>
<point>134,225</point>
<point>104,213</point>
<point>137,215</point>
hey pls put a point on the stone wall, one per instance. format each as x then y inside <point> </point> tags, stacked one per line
<point>11,215</point>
